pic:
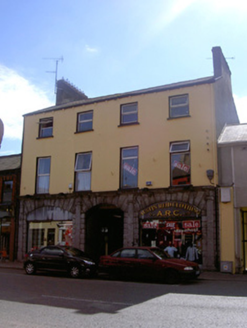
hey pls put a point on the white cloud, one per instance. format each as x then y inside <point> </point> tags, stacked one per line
<point>91,49</point>
<point>241,105</point>
<point>17,97</point>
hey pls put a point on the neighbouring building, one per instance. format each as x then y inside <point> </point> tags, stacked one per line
<point>1,131</point>
<point>10,171</point>
<point>134,168</point>
<point>233,201</point>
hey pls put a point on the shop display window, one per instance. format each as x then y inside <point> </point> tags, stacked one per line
<point>49,233</point>
<point>179,234</point>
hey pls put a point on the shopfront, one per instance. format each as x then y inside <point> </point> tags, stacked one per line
<point>100,223</point>
<point>49,226</point>
<point>172,223</point>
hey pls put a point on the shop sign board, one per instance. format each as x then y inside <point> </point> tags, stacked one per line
<point>170,209</point>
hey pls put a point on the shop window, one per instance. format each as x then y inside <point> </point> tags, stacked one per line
<point>180,163</point>
<point>45,127</point>
<point>85,121</point>
<point>7,191</point>
<point>129,167</point>
<point>179,106</point>
<point>83,167</point>
<point>36,238</point>
<point>129,114</point>
<point>43,175</point>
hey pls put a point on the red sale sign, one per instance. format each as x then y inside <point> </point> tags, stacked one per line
<point>191,224</point>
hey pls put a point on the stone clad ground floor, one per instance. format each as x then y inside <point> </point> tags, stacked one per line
<point>99,223</point>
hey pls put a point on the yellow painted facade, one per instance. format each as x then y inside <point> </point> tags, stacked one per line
<point>152,135</point>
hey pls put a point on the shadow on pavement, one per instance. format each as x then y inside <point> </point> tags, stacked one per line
<point>101,295</point>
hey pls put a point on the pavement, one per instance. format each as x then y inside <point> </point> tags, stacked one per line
<point>205,275</point>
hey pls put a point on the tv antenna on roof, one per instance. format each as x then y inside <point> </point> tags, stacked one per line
<point>57,60</point>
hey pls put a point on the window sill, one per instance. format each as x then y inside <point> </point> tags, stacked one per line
<point>174,118</point>
<point>78,132</point>
<point>128,124</point>
<point>83,191</point>
<point>185,186</point>
<point>45,137</point>
<point>128,189</point>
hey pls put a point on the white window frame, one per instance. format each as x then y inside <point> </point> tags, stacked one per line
<point>43,177</point>
<point>42,127</point>
<point>177,106</point>
<point>81,121</point>
<point>124,114</point>
<point>174,144</point>
<point>83,175</point>
<point>122,166</point>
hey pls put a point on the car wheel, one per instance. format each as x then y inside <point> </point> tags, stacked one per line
<point>74,271</point>
<point>171,277</point>
<point>30,268</point>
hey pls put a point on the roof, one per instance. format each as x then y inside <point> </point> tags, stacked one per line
<point>233,134</point>
<point>11,162</point>
<point>161,88</point>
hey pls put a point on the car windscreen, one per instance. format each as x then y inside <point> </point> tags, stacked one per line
<point>160,253</point>
<point>74,252</point>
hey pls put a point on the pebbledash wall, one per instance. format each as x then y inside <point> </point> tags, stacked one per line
<point>133,203</point>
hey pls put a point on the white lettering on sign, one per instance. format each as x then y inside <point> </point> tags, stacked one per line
<point>130,169</point>
<point>170,225</point>
<point>191,224</point>
<point>150,225</point>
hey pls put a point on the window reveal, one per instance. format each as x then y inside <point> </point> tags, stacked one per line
<point>85,121</point>
<point>83,167</point>
<point>129,167</point>
<point>46,127</point>
<point>129,113</point>
<point>179,106</point>
<point>43,175</point>
<point>180,163</point>
<point>7,191</point>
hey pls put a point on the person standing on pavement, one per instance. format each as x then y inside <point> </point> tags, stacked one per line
<point>171,249</point>
<point>192,253</point>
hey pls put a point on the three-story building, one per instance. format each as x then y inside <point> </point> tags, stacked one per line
<point>133,168</point>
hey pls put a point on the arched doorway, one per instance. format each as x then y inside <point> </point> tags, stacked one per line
<point>104,230</point>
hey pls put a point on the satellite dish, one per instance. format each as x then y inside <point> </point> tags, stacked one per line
<point>1,131</point>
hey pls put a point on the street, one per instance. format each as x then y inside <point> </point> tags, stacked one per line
<point>57,301</point>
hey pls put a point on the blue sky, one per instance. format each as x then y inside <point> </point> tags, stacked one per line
<point>112,46</point>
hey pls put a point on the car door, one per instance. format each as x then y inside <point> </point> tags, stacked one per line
<point>52,258</point>
<point>145,266</point>
<point>126,262</point>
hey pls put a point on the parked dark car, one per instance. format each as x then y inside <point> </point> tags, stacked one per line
<point>60,258</point>
<point>148,262</point>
